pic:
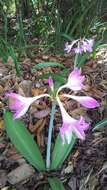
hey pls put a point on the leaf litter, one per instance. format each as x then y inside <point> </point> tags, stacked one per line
<point>89,158</point>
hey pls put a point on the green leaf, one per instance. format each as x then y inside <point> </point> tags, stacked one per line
<point>102,123</point>
<point>66,36</point>
<point>102,46</point>
<point>80,19</point>
<point>48,64</point>
<point>61,151</point>
<point>17,65</point>
<point>82,59</point>
<point>55,184</point>
<point>55,76</point>
<point>23,141</point>
<point>46,187</point>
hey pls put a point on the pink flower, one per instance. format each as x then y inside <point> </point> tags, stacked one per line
<point>71,125</point>
<point>87,45</point>
<point>79,46</point>
<point>68,47</point>
<point>75,80</point>
<point>21,104</point>
<point>86,101</point>
<point>51,83</point>
<point>78,50</point>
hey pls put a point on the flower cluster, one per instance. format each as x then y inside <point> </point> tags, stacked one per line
<point>70,125</point>
<point>79,46</point>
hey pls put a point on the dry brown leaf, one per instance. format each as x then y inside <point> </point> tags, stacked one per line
<point>103,83</point>
<point>41,126</point>
<point>34,128</point>
<point>37,130</point>
<point>1,124</point>
<point>1,89</point>
<point>20,91</point>
<point>94,91</point>
<point>90,63</point>
<point>39,135</point>
<point>69,168</point>
<point>27,61</point>
<point>36,106</point>
<point>42,113</point>
<point>3,69</point>
<point>31,127</point>
<point>37,91</point>
<point>38,60</point>
<point>78,111</point>
<point>52,58</point>
<point>1,105</point>
<point>76,154</point>
<point>24,88</point>
<point>13,154</point>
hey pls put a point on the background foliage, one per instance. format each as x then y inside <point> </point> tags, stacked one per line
<point>49,23</point>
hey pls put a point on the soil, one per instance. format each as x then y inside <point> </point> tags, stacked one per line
<point>86,166</point>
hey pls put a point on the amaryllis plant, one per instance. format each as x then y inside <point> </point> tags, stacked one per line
<point>79,47</point>
<point>70,125</point>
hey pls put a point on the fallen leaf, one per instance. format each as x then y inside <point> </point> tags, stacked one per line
<point>40,137</point>
<point>21,173</point>
<point>34,128</point>
<point>38,91</point>
<point>1,89</point>
<point>1,105</point>
<point>104,167</point>
<point>69,168</point>
<point>1,124</point>
<point>103,83</point>
<point>78,111</point>
<point>25,88</point>
<point>42,113</point>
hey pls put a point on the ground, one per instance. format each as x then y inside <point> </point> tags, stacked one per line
<point>86,166</point>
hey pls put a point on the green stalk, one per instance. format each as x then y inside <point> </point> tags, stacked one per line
<point>48,157</point>
<point>76,58</point>
<point>76,61</point>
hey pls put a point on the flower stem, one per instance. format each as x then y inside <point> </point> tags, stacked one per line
<point>50,135</point>
<point>76,61</point>
<point>76,58</point>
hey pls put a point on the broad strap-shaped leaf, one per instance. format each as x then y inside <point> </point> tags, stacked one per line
<point>57,77</point>
<point>48,64</point>
<point>82,59</point>
<point>55,184</point>
<point>100,124</point>
<point>23,141</point>
<point>61,151</point>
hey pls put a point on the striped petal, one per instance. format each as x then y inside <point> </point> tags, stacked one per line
<point>69,47</point>
<point>85,101</point>
<point>75,81</point>
<point>21,104</point>
<point>71,125</point>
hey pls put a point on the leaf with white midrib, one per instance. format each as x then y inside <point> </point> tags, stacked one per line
<point>102,123</point>
<point>23,141</point>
